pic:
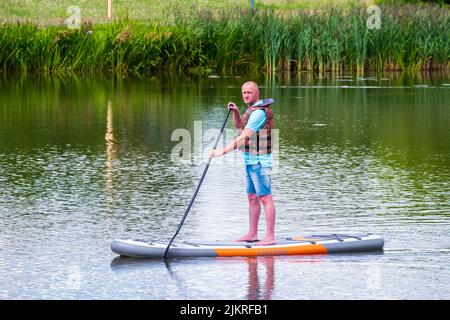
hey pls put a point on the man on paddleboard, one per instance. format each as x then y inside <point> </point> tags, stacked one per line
<point>255,140</point>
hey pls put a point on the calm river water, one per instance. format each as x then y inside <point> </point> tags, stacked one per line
<point>84,161</point>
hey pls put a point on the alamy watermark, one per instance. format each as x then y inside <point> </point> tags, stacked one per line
<point>74,19</point>
<point>374,20</point>
<point>69,278</point>
<point>373,277</point>
<point>194,148</point>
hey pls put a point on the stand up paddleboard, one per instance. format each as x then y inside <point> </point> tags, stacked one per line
<point>315,244</point>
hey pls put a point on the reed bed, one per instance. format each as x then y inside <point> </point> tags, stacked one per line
<point>327,40</point>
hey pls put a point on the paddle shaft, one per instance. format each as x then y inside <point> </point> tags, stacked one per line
<point>196,189</point>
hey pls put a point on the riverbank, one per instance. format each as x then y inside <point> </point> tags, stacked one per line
<point>329,39</point>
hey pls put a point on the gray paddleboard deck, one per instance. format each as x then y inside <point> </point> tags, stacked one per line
<point>314,244</point>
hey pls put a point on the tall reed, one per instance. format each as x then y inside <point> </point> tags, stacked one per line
<point>334,39</point>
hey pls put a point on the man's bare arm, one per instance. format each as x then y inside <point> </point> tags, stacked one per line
<point>236,143</point>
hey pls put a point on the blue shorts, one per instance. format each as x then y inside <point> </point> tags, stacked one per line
<point>258,179</point>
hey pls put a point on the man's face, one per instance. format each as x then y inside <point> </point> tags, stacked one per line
<point>250,93</point>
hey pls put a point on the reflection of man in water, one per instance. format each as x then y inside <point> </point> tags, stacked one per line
<point>254,290</point>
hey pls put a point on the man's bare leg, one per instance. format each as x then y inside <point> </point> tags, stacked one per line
<point>269,210</point>
<point>254,211</point>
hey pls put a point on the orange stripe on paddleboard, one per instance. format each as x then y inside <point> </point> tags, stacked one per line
<point>264,251</point>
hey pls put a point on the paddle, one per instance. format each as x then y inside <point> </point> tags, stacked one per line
<point>198,187</point>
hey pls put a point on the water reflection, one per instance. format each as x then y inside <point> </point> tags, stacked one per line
<point>374,157</point>
<point>259,269</point>
<point>110,148</point>
<point>259,283</point>
<point>256,291</point>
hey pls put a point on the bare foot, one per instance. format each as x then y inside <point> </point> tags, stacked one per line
<point>265,242</point>
<point>248,238</point>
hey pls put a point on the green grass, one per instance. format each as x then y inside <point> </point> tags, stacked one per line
<point>222,37</point>
<point>46,12</point>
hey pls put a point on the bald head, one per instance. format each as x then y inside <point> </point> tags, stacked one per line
<point>250,92</point>
<point>252,84</point>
